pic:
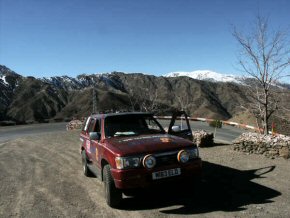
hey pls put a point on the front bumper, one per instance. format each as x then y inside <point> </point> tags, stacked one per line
<point>142,177</point>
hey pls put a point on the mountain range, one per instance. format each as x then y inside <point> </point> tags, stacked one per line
<point>208,75</point>
<point>200,93</point>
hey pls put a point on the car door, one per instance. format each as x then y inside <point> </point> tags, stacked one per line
<point>179,125</point>
<point>84,135</point>
<point>89,146</point>
<point>95,148</point>
<point>95,144</point>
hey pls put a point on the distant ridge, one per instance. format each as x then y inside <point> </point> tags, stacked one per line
<point>207,94</point>
<point>207,75</point>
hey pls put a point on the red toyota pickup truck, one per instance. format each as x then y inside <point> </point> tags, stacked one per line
<point>131,150</point>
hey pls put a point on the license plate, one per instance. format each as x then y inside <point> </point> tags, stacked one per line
<point>166,173</point>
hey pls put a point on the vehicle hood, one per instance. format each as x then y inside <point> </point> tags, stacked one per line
<point>146,144</point>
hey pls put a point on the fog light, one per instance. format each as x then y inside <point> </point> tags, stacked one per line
<point>149,161</point>
<point>182,156</point>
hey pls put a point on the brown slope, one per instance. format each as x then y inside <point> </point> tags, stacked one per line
<point>200,95</point>
<point>35,100</point>
<point>7,87</point>
<point>80,102</point>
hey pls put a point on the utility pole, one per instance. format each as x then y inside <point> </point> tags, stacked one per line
<point>94,100</point>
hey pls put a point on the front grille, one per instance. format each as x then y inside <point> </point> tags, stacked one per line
<point>166,159</point>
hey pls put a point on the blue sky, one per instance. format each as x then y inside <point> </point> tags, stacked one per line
<point>57,37</point>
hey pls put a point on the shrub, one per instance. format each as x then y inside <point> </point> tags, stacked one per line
<point>67,119</point>
<point>29,121</point>
<point>7,123</point>
<point>58,119</point>
<point>216,123</point>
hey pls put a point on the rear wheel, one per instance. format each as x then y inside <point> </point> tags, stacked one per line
<point>112,194</point>
<point>86,170</point>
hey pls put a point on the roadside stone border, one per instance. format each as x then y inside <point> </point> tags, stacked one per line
<point>235,124</point>
<point>202,138</point>
<point>271,146</point>
<point>239,125</point>
<point>74,124</point>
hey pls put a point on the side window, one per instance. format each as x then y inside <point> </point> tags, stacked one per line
<point>91,126</point>
<point>151,124</point>
<point>97,126</point>
<point>181,123</point>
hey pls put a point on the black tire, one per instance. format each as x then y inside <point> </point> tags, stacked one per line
<point>86,170</point>
<point>112,194</point>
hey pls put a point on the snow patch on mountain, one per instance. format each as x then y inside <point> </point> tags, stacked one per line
<point>208,76</point>
<point>84,80</point>
<point>3,78</point>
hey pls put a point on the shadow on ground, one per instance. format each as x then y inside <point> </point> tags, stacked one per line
<point>218,144</point>
<point>221,189</point>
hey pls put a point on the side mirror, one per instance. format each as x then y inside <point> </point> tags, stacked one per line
<point>175,128</point>
<point>95,136</point>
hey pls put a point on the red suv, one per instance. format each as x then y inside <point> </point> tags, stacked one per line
<point>132,150</point>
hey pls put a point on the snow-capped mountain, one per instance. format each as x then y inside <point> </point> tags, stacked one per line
<point>207,75</point>
<point>84,81</point>
<point>3,78</point>
<point>8,78</point>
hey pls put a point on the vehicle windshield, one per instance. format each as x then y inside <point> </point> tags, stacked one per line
<point>128,125</point>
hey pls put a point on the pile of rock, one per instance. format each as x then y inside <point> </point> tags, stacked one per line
<point>74,124</point>
<point>271,146</point>
<point>202,138</point>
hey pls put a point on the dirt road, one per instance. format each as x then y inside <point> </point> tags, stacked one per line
<point>226,134</point>
<point>41,176</point>
<point>8,133</point>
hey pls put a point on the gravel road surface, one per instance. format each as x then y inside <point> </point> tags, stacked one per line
<point>13,132</point>
<point>225,134</point>
<point>41,176</point>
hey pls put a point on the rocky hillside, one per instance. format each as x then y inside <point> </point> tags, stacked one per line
<point>9,81</point>
<point>29,98</point>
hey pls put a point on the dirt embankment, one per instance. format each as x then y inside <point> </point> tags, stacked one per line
<point>41,176</point>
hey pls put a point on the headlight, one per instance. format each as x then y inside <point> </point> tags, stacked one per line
<point>127,162</point>
<point>149,161</point>
<point>182,156</point>
<point>193,153</point>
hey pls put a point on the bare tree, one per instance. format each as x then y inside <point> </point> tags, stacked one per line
<point>150,99</point>
<point>146,99</point>
<point>265,57</point>
<point>183,101</point>
<point>134,98</point>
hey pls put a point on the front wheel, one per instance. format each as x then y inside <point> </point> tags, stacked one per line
<point>112,194</point>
